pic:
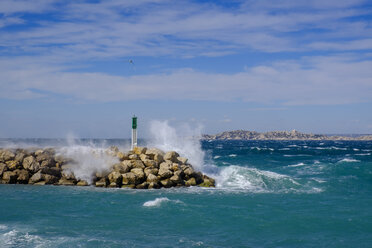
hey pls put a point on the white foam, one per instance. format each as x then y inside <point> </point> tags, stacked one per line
<point>362,154</point>
<point>355,149</point>
<point>232,155</point>
<point>182,139</point>
<point>254,180</point>
<point>3,227</point>
<point>296,165</point>
<point>348,160</point>
<point>216,157</point>
<point>159,201</point>
<point>16,238</point>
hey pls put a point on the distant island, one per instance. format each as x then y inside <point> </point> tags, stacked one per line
<point>278,135</point>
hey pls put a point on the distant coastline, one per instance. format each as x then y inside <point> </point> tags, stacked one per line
<point>279,135</point>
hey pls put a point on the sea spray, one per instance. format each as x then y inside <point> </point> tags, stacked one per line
<point>87,158</point>
<point>182,139</point>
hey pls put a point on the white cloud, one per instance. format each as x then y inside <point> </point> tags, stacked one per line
<point>311,80</point>
<point>182,28</point>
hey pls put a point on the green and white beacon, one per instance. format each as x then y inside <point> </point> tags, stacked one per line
<point>134,132</point>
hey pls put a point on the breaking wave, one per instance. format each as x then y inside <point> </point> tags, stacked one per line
<point>159,201</point>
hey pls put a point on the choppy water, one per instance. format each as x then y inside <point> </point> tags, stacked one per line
<point>269,194</point>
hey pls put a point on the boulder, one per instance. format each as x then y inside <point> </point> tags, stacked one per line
<point>40,183</point>
<point>102,182</point>
<point>22,176</point>
<point>155,154</point>
<point>129,186</point>
<point>166,165</point>
<point>133,157</point>
<point>9,177</point>
<point>153,185</point>
<point>137,164</point>
<point>43,156</point>
<point>19,157</point>
<point>191,182</point>
<point>152,178</point>
<point>50,179</point>
<point>13,165</point>
<point>172,156</point>
<point>176,179</point>
<point>30,164</point>
<point>175,167</point>
<point>139,174</point>
<point>182,160</point>
<point>165,173</point>
<point>54,171</point>
<point>37,177</point>
<point>6,155</point>
<point>82,183</point>
<point>116,178</point>
<point>189,171</point>
<point>3,168</point>
<point>122,156</point>
<point>144,157</point>
<point>151,170</point>
<point>129,178</point>
<point>66,182</point>
<point>49,162</point>
<point>207,182</point>
<point>143,185</point>
<point>167,183</point>
<point>68,175</point>
<point>150,163</point>
<point>101,174</point>
<point>139,150</point>
<point>122,167</point>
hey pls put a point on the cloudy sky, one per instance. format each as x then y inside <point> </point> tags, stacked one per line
<point>65,66</point>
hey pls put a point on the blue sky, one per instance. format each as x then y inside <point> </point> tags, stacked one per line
<point>223,65</point>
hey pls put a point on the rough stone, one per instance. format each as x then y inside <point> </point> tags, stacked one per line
<point>139,150</point>
<point>167,183</point>
<point>144,157</point>
<point>50,179</point>
<point>129,178</point>
<point>165,173</point>
<point>22,176</point>
<point>139,174</point>
<point>9,177</point>
<point>66,182</point>
<point>143,185</point>
<point>137,164</point>
<point>29,163</point>
<point>129,186</point>
<point>68,175</point>
<point>121,167</point>
<point>13,165</point>
<point>38,176</point>
<point>102,183</point>
<point>172,156</point>
<point>152,178</point>
<point>54,171</point>
<point>151,170</point>
<point>182,160</point>
<point>82,183</point>
<point>189,171</point>
<point>6,155</point>
<point>150,163</point>
<point>191,182</point>
<point>115,177</point>
<point>40,183</point>
<point>3,168</point>
<point>48,163</point>
<point>133,157</point>
<point>41,157</point>
<point>19,157</point>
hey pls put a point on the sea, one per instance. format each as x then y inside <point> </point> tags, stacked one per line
<point>268,194</point>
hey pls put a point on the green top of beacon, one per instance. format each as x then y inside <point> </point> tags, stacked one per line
<point>134,122</point>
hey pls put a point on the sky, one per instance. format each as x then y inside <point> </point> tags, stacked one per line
<point>86,67</point>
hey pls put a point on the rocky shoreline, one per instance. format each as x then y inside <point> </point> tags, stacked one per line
<point>140,168</point>
<point>278,135</point>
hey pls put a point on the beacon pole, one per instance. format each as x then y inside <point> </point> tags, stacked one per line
<point>134,132</point>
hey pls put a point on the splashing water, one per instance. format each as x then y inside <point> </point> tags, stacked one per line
<point>183,140</point>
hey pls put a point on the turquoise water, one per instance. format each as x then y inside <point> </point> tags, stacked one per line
<point>269,194</point>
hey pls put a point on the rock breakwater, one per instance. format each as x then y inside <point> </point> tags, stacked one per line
<point>140,168</point>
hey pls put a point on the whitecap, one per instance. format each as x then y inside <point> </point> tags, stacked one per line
<point>232,155</point>
<point>159,201</point>
<point>3,227</point>
<point>348,160</point>
<point>362,154</point>
<point>216,157</point>
<point>296,165</point>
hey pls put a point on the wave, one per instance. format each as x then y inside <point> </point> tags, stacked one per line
<point>362,154</point>
<point>296,165</point>
<point>258,181</point>
<point>159,201</point>
<point>348,160</point>
<point>216,157</point>
<point>296,155</point>
<point>17,238</point>
<point>232,155</point>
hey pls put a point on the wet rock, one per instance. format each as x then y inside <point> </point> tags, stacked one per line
<point>19,157</point>
<point>165,173</point>
<point>102,182</point>
<point>50,179</point>
<point>122,167</point>
<point>151,178</point>
<point>167,183</point>
<point>54,171</point>
<point>9,177</point>
<point>115,178</point>
<point>139,174</point>
<point>172,156</point>
<point>191,182</point>
<point>66,182</point>
<point>143,185</point>
<point>68,175</point>
<point>153,185</point>
<point>37,177</point>
<point>82,183</point>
